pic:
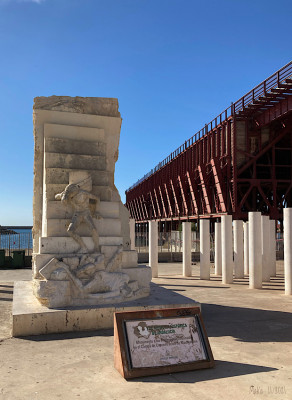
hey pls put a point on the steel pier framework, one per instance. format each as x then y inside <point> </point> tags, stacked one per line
<point>241,161</point>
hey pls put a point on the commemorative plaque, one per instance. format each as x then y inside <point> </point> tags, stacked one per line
<point>160,341</point>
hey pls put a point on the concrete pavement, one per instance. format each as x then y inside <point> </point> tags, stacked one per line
<point>250,333</point>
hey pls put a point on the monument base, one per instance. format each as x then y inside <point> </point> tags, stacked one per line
<point>31,318</point>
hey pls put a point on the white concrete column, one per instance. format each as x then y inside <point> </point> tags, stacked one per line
<point>204,249</point>
<point>132,224</point>
<point>227,256</point>
<point>255,250</point>
<point>272,248</point>
<point>265,223</point>
<point>218,249</point>
<point>238,249</point>
<point>187,248</point>
<point>246,246</point>
<point>288,250</point>
<point>153,248</point>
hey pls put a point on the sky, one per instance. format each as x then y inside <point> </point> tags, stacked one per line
<point>174,65</point>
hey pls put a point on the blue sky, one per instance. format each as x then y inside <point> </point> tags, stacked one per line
<point>172,64</point>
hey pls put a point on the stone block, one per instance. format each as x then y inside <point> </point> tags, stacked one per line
<point>61,176</point>
<point>107,209</point>
<point>68,146</point>
<point>75,161</point>
<point>103,192</point>
<point>67,245</point>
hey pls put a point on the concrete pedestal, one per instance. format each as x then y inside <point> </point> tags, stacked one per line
<point>31,318</point>
<point>187,248</point>
<point>153,248</point>
<point>272,248</point>
<point>226,239</point>
<point>218,249</point>
<point>246,247</point>
<point>238,249</point>
<point>132,224</point>
<point>205,249</point>
<point>288,250</point>
<point>255,250</point>
<point>265,224</point>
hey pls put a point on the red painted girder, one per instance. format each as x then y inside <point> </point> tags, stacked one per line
<point>168,201</point>
<point>157,203</point>
<point>142,208</point>
<point>145,208</point>
<point>192,193</point>
<point>138,209</point>
<point>279,109</point>
<point>218,184</point>
<point>153,205</point>
<point>174,196</point>
<point>204,189</point>
<point>183,195</point>
<point>162,201</point>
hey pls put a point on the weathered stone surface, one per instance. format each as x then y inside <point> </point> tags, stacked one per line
<point>81,228</point>
<point>84,105</point>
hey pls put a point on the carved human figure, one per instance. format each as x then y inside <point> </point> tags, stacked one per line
<point>80,200</point>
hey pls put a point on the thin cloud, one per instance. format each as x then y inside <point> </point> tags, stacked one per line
<point>22,1</point>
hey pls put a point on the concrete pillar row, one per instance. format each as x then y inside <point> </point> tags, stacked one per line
<point>187,248</point>
<point>288,250</point>
<point>153,248</point>
<point>265,233</point>
<point>205,249</point>
<point>132,224</point>
<point>255,250</point>
<point>272,248</point>
<point>218,249</point>
<point>246,248</point>
<point>227,256</point>
<point>238,249</point>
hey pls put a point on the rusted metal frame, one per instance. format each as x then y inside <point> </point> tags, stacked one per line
<point>130,208</point>
<point>134,211</point>
<point>193,196</point>
<point>157,203</point>
<point>243,200</point>
<point>152,202</point>
<point>142,208</point>
<point>138,209</point>
<point>145,207</point>
<point>175,198</point>
<point>185,207</point>
<point>218,179</point>
<point>264,196</point>
<point>234,165</point>
<point>168,200</point>
<point>204,188</point>
<point>265,149</point>
<point>283,107</point>
<point>162,201</point>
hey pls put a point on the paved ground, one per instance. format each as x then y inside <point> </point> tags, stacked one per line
<point>250,332</point>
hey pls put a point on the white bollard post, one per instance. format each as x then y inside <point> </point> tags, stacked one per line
<point>205,249</point>
<point>218,249</point>
<point>132,224</point>
<point>272,248</point>
<point>255,250</point>
<point>187,248</point>
<point>153,248</point>
<point>265,224</point>
<point>246,246</point>
<point>288,250</point>
<point>238,249</point>
<point>227,256</point>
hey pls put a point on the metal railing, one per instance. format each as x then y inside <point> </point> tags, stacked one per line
<point>260,90</point>
<point>16,241</point>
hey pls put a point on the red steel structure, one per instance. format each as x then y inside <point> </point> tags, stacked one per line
<point>241,161</point>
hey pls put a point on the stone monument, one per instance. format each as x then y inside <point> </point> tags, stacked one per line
<point>81,250</point>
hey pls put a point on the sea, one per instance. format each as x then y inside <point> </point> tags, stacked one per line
<point>22,239</point>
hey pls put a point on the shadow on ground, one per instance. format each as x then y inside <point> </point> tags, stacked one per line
<point>223,369</point>
<point>247,324</point>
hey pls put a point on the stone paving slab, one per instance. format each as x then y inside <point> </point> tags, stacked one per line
<point>249,332</point>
